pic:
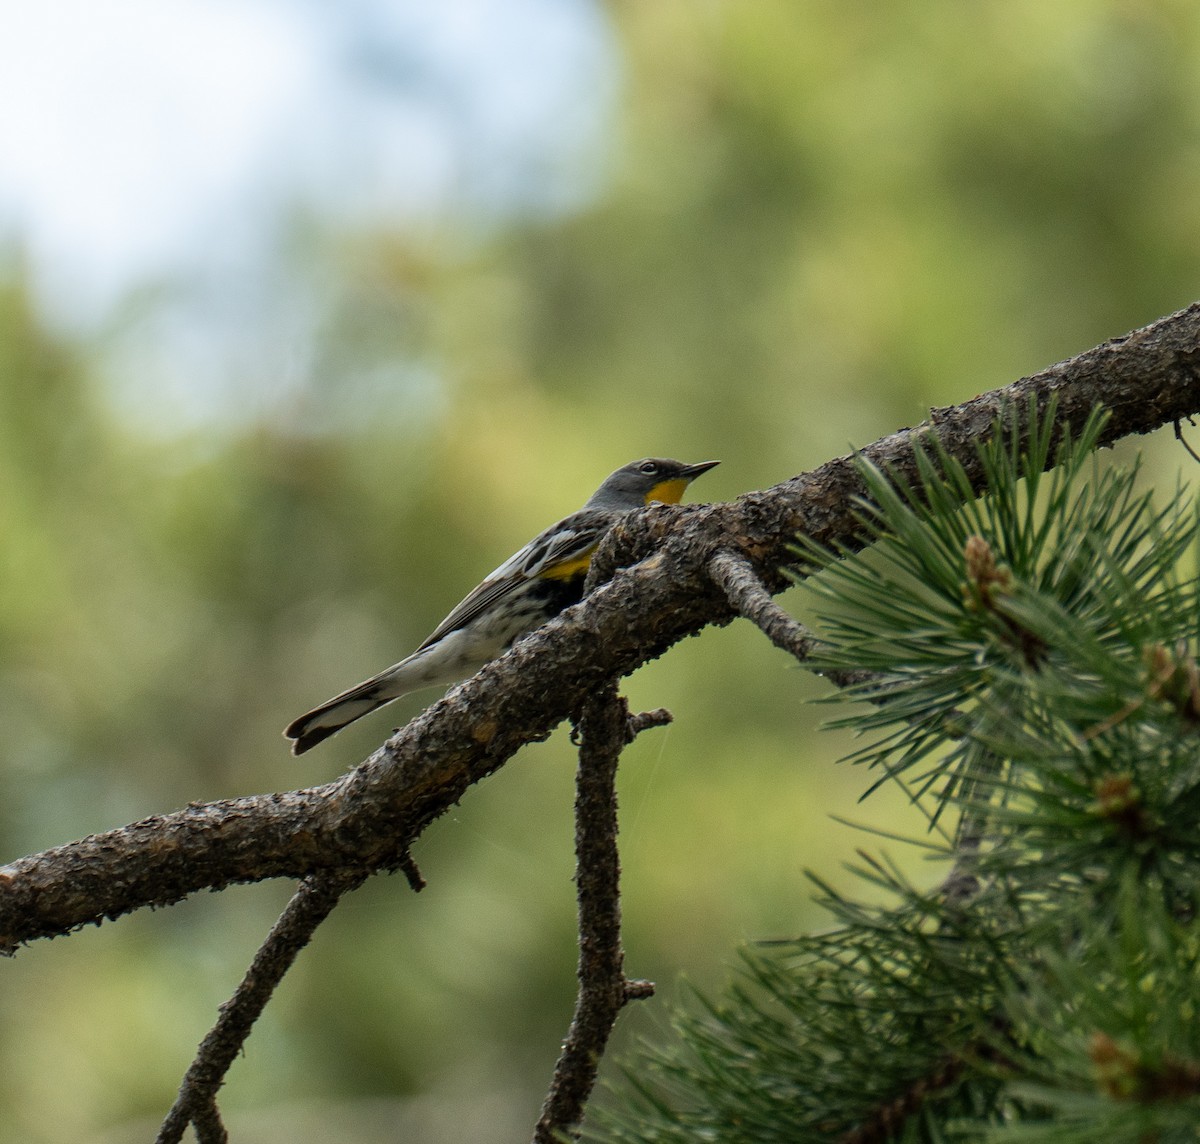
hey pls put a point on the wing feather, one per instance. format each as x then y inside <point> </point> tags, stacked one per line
<point>563,544</point>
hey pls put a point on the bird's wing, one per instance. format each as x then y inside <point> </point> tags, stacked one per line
<point>561,552</point>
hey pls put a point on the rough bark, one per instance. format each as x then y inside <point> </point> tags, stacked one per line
<point>369,818</point>
<point>604,728</point>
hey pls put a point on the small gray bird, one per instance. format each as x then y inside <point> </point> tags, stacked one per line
<point>529,588</point>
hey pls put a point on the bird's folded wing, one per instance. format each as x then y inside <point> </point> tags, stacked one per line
<point>559,552</point>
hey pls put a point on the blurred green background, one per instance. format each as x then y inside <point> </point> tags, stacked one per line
<point>271,403</point>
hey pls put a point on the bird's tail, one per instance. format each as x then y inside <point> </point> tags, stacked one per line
<point>321,722</point>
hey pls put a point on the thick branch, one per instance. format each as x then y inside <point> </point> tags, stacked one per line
<point>370,817</point>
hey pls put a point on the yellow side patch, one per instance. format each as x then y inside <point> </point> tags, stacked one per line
<point>669,492</point>
<point>569,569</point>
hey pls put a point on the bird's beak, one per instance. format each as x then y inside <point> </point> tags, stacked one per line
<point>671,491</point>
<point>693,471</point>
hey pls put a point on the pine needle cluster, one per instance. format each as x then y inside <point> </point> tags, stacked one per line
<point>1027,666</point>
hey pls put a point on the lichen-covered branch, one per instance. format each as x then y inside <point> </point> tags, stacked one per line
<point>749,597</point>
<point>369,818</point>
<point>605,726</point>
<point>196,1103</point>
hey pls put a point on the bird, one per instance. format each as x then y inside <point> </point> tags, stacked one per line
<point>528,589</point>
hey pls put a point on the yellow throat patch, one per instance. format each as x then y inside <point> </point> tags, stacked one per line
<point>669,492</point>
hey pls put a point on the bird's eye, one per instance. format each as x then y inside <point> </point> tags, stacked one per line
<point>648,467</point>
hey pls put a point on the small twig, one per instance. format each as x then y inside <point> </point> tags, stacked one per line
<point>749,597</point>
<point>605,726</point>
<point>1182,439</point>
<point>196,1103</point>
<point>644,720</point>
<point>887,1120</point>
<point>412,875</point>
<point>962,883</point>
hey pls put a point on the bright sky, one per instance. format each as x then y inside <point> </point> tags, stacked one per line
<point>148,140</point>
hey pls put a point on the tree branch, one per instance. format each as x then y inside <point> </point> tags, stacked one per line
<point>368,819</point>
<point>748,596</point>
<point>605,727</point>
<point>885,1121</point>
<point>196,1104</point>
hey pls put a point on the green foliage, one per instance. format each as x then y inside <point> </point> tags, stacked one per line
<point>958,609</point>
<point>1034,666</point>
<point>813,221</point>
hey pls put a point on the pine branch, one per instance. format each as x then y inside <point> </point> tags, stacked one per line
<point>368,819</point>
<point>887,1120</point>
<point>1042,639</point>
